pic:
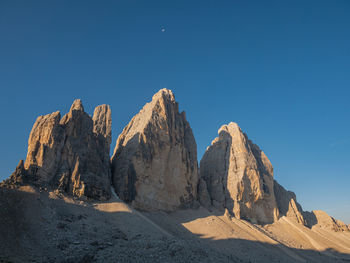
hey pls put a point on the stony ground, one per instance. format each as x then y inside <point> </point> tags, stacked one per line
<point>42,226</point>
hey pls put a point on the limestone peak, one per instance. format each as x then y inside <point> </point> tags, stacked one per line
<point>238,176</point>
<point>165,94</point>
<point>154,165</point>
<point>77,105</point>
<point>231,127</point>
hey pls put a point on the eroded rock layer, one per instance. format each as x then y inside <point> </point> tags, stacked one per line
<point>70,154</point>
<point>154,165</point>
<point>239,177</point>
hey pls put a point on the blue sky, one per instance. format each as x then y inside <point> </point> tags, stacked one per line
<point>280,69</point>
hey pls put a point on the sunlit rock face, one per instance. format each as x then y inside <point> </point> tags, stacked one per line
<point>70,154</point>
<point>239,177</point>
<point>154,165</point>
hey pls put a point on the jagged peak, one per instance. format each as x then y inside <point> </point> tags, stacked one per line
<point>77,105</point>
<point>162,98</point>
<point>102,119</point>
<point>103,106</point>
<point>102,109</point>
<point>165,94</point>
<point>232,127</point>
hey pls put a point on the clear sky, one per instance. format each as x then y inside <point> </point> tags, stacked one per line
<point>280,69</point>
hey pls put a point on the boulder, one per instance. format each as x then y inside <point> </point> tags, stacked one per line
<point>154,165</point>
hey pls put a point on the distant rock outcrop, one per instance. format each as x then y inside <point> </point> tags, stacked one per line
<point>70,154</point>
<point>239,177</point>
<point>154,165</point>
<point>320,219</point>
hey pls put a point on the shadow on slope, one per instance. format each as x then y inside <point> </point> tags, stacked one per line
<point>238,240</point>
<point>40,227</point>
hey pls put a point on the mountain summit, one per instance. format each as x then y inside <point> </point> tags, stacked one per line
<point>239,176</point>
<point>154,165</point>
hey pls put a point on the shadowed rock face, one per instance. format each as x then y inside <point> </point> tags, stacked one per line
<point>154,165</point>
<point>288,205</point>
<point>70,154</point>
<point>238,176</point>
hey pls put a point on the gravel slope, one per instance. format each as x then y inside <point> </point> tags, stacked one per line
<point>41,226</point>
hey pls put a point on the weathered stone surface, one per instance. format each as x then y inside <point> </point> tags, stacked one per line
<point>45,147</point>
<point>102,128</point>
<point>203,194</point>
<point>18,176</point>
<point>154,165</point>
<point>102,119</point>
<point>239,176</point>
<point>72,153</point>
<point>320,219</point>
<point>287,204</point>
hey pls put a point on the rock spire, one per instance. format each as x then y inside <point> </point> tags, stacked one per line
<point>238,177</point>
<point>70,153</point>
<point>154,165</point>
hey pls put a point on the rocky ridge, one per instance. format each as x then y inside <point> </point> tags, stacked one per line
<point>154,165</point>
<point>245,214</point>
<point>70,154</point>
<point>319,219</point>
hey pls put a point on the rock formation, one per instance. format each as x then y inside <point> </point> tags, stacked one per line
<point>154,165</point>
<point>287,204</point>
<point>320,219</point>
<point>238,176</point>
<point>70,154</point>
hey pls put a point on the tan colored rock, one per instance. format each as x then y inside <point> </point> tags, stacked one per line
<point>72,153</point>
<point>102,119</point>
<point>320,219</point>
<point>45,147</point>
<point>102,127</point>
<point>288,205</point>
<point>154,165</point>
<point>239,176</point>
